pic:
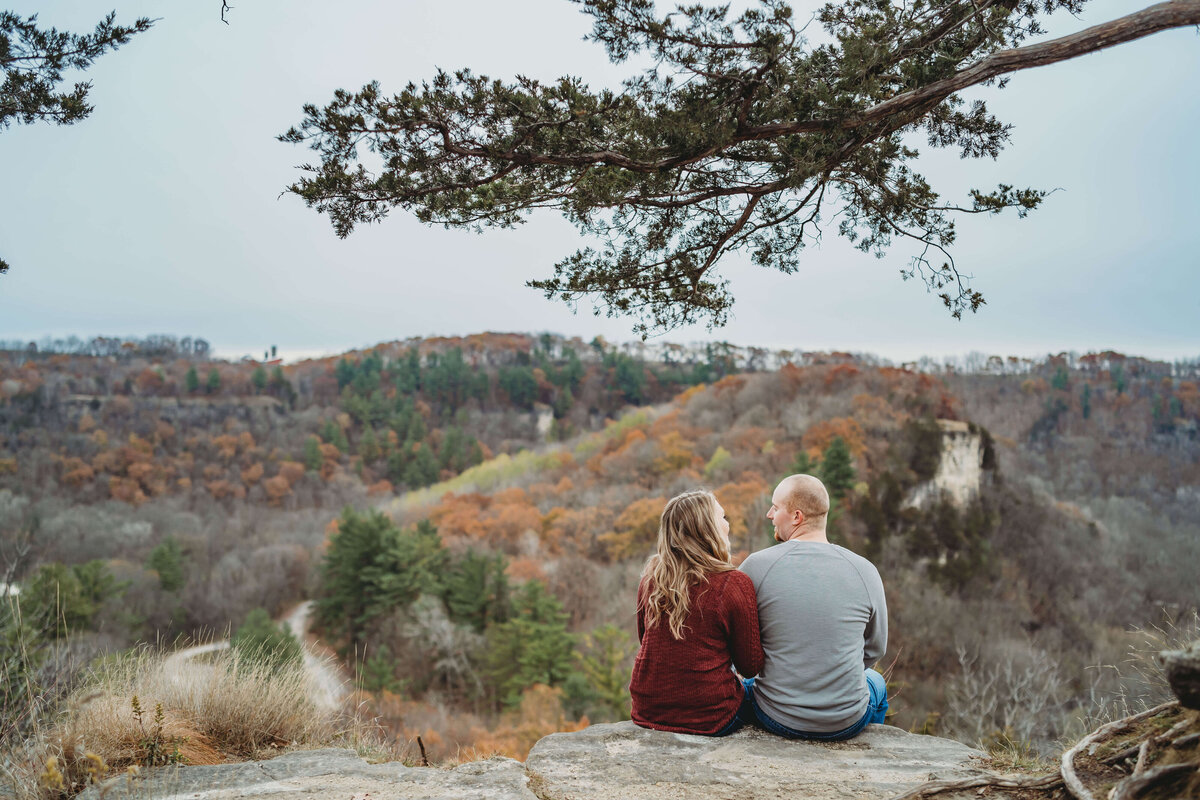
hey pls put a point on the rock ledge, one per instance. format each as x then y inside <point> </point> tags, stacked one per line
<point>618,761</point>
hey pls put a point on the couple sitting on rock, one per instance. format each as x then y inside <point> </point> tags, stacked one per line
<point>807,617</point>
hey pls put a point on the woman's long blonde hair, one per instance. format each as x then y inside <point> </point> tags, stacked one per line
<point>690,548</point>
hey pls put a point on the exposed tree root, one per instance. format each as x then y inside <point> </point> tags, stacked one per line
<point>1070,779</point>
<point>1135,748</point>
<point>1137,784</point>
<point>999,781</point>
<point>1129,788</point>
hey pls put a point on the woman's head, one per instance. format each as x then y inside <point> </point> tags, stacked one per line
<point>693,542</point>
<point>694,529</point>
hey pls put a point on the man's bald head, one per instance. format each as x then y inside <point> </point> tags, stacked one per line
<point>805,494</point>
<point>799,507</point>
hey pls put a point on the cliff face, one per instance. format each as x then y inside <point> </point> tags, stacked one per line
<point>603,762</point>
<point>960,470</point>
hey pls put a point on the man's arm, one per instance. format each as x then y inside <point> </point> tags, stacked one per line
<point>876,632</point>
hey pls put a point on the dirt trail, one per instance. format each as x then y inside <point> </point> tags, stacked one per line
<point>329,683</point>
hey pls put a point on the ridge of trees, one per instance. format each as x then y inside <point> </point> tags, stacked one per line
<point>423,600</point>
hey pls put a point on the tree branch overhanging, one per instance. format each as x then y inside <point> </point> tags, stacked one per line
<point>697,156</point>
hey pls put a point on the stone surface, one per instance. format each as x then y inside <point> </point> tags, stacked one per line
<point>324,773</point>
<point>1182,668</point>
<point>604,762</point>
<point>621,761</point>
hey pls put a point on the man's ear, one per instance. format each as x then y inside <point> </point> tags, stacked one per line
<point>798,517</point>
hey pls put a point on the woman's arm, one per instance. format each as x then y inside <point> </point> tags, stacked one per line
<point>741,610</point>
<point>641,609</point>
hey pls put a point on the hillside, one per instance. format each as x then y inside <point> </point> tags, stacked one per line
<point>500,493</point>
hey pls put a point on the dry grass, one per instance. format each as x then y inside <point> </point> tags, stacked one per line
<point>192,713</point>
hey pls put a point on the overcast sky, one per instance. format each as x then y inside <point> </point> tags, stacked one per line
<point>162,212</point>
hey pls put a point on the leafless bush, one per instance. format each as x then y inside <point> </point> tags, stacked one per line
<point>1012,692</point>
<point>431,652</point>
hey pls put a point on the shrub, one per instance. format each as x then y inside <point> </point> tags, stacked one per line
<point>260,640</point>
<point>191,713</point>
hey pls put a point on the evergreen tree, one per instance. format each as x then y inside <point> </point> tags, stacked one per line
<point>1085,401</point>
<point>416,431</point>
<point>563,401</point>
<point>408,373</point>
<point>630,377</point>
<point>191,381</point>
<point>333,433</point>
<point>260,640</point>
<point>213,383</point>
<point>476,590</point>
<point>372,568</point>
<point>604,660</point>
<point>422,469</point>
<point>520,386</point>
<point>55,602</point>
<point>531,647</point>
<point>344,372</point>
<point>368,446</point>
<point>167,560</point>
<point>579,697</point>
<point>837,468</point>
<point>312,454</point>
<point>397,463</point>
<point>1061,379</point>
<point>452,454</point>
<point>259,380</point>
<point>573,372</point>
<point>379,672</point>
<point>96,583</point>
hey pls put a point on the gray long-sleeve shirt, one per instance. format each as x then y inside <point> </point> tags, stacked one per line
<point>823,619</point>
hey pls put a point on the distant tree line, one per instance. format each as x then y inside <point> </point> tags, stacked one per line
<point>158,345</point>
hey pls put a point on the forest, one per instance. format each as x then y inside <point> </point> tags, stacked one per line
<point>469,518</point>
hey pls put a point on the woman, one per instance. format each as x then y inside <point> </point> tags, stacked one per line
<point>697,619</point>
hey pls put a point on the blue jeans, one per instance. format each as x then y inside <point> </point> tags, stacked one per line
<point>744,713</point>
<point>877,706</point>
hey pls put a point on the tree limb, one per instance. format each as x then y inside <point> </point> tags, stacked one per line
<point>1161,17</point>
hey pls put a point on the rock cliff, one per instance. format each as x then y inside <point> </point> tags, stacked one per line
<point>960,470</point>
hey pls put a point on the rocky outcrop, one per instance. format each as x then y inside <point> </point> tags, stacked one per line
<point>622,761</point>
<point>324,773</point>
<point>617,761</point>
<point>960,470</point>
<point>1182,668</point>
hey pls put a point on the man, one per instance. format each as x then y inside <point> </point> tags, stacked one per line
<point>823,619</point>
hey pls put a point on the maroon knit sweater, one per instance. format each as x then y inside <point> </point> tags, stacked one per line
<point>687,685</point>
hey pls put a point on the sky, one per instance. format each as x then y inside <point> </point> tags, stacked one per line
<point>163,211</point>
